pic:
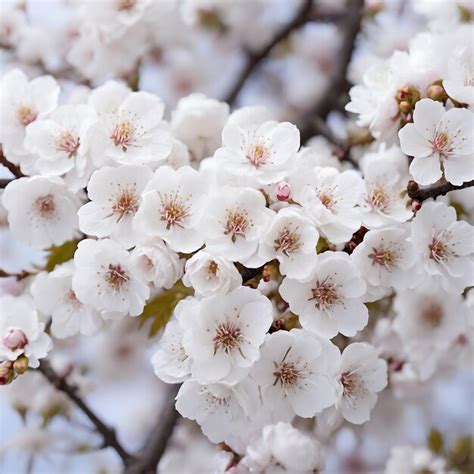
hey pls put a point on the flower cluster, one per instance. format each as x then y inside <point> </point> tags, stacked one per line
<point>285,279</point>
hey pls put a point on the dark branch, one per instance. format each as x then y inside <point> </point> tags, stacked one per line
<point>150,456</point>
<point>420,195</point>
<point>254,59</point>
<point>108,434</point>
<point>15,170</point>
<point>5,182</point>
<point>338,82</point>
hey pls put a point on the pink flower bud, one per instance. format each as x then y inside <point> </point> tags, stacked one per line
<point>15,339</point>
<point>6,372</point>
<point>283,191</point>
<point>415,205</point>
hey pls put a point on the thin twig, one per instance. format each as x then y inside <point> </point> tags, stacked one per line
<point>338,82</point>
<point>254,59</point>
<point>5,182</point>
<point>14,169</point>
<point>108,435</point>
<point>420,195</point>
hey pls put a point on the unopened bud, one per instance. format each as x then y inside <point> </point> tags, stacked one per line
<point>283,191</point>
<point>415,205</point>
<point>405,107</point>
<point>412,186</point>
<point>6,372</point>
<point>15,339</point>
<point>21,364</point>
<point>437,92</point>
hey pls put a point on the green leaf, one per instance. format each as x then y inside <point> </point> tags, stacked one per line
<point>160,308</point>
<point>61,254</point>
<point>435,441</point>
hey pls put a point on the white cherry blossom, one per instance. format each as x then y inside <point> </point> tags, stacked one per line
<point>105,278</point>
<point>330,302</point>
<point>362,375</point>
<point>444,245</point>
<point>211,274</point>
<point>291,238</point>
<point>61,141</point>
<point>41,211</point>
<point>234,222</point>
<point>441,142</point>
<point>21,331</point>
<point>330,199</point>
<point>172,208</point>
<point>410,460</point>
<point>293,374</point>
<point>53,295</point>
<point>224,336</point>
<point>115,196</point>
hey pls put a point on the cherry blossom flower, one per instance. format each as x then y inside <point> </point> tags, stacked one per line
<point>130,131</point>
<point>223,338</point>
<point>211,274</point>
<point>282,448</point>
<point>408,459</point>
<point>261,153</point>
<point>291,238</point>
<point>21,103</point>
<point>441,142</point>
<point>234,222</point>
<point>61,139</point>
<point>158,263</point>
<point>330,302</point>
<point>386,258</point>
<point>115,196</point>
<point>198,122</point>
<point>53,296</point>
<point>458,80</point>
<point>172,208</point>
<point>362,375</point>
<point>293,374</point>
<point>41,211</point>
<point>444,245</point>
<point>105,278</point>
<point>330,198</point>
<point>21,331</point>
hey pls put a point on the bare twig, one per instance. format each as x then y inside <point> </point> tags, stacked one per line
<point>338,82</point>
<point>15,170</point>
<point>420,195</point>
<point>108,435</point>
<point>5,182</point>
<point>254,59</point>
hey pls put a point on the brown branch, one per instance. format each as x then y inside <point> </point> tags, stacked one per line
<point>254,59</point>
<point>420,195</point>
<point>108,434</point>
<point>5,182</point>
<point>338,82</point>
<point>15,170</point>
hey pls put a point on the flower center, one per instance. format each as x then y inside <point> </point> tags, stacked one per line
<point>237,224</point>
<point>378,198</point>
<point>257,155</point>
<point>68,143</point>
<point>441,143</point>
<point>287,374</point>
<point>432,315</point>
<point>228,337</point>
<point>287,241</point>
<point>212,269</point>
<point>45,205</point>
<point>14,339</point>
<point>25,115</point>
<point>123,134</point>
<point>126,203</point>
<point>352,384</point>
<point>326,200</point>
<point>383,257</point>
<point>71,298</point>
<point>439,251</point>
<point>125,5</point>
<point>116,277</point>
<point>174,210</point>
<point>324,294</point>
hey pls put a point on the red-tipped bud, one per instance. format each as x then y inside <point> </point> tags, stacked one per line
<point>15,339</point>
<point>283,191</point>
